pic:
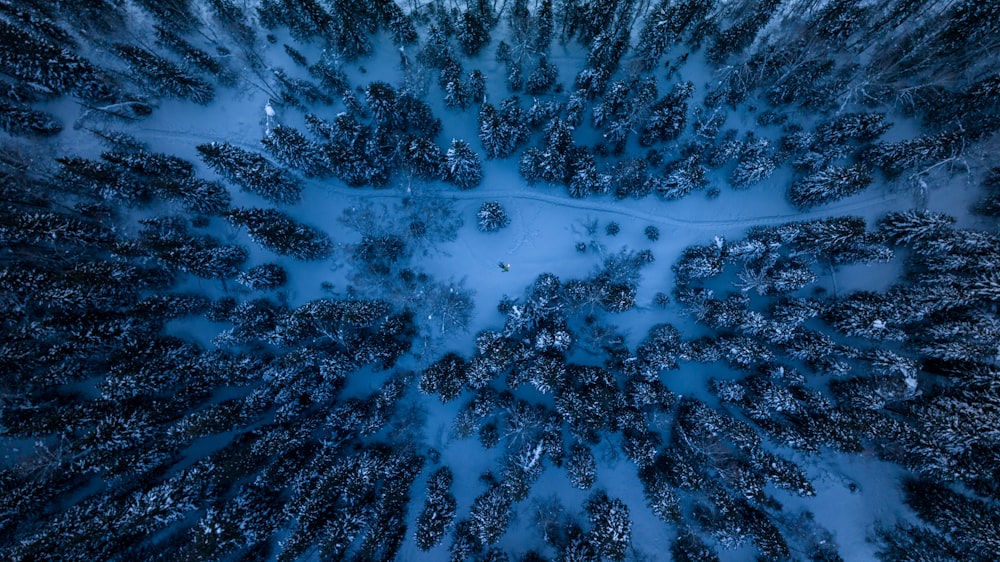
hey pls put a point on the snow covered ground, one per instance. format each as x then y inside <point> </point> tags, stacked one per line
<point>549,232</point>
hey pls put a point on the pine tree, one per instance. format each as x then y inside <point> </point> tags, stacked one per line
<point>169,241</point>
<point>474,32</point>
<point>581,466</point>
<point>680,178</point>
<point>668,116</point>
<point>909,227</point>
<point>281,234</point>
<point>490,514</point>
<point>756,163</point>
<point>462,166</point>
<point>829,184</point>
<point>423,158</point>
<point>439,510</point>
<point>611,527</point>
<point>541,78</point>
<point>18,119</point>
<point>263,277</point>
<point>164,76</point>
<point>294,150</point>
<point>492,217</point>
<point>251,171</point>
<point>689,548</point>
<point>445,377</point>
<point>57,69</point>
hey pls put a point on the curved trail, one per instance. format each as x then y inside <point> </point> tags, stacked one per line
<point>526,193</point>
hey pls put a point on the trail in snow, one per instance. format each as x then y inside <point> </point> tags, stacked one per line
<point>597,204</point>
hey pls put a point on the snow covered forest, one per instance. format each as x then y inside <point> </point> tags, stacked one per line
<point>504,281</point>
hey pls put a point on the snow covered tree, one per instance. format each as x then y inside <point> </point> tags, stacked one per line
<point>777,277</point>
<point>581,466</point>
<point>281,234</point>
<point>699,262</point>
<point>894,158</point>
<point>490,514</point>
<point>741,34</point>
<point>611,528</point>
<point>462,166</point>
<point>474,30</point>
<point>251,171</point>
<point>665,25</point>
<point>659,350</point>
<point>860,127</point>
<point>161,75</point>
<point>909,227</point>
<point>756,163</point>
<point>668,116</point>
<point>680,178</point>
<point>35,59</point>
<point>630,178</point>
<point>423,158</point>
<point>970,522</point>
<point>18,119</point>
<point>294,150</point>
<point>169,241</point>
<point>444,377</point>
<point>829,184</point>
<point>541,78</point>
<point>192,56</point>
<point>502,130</point>
<point>688,547</point>
<point>439,510</point>
<point>492,217</point>
<point>263,277</point>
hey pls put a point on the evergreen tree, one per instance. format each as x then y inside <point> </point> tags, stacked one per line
<point>474,31</point>
<point>756,163</point>
<point>263,277</point>
<point>169,241</point>
<point>541,78</point>
<point>492,217</point>
<point>689,548</point>
<point>490,514</point>
<point>462,166</point>
<point>668,116</point>
<point>294,150</point>
<point>829,184</point>
<point>56,69</point>
<point>611,527</point>
<point>281,234</point>
<point>251,171</point>
<point>439,510</point>
<point>445,377</point>
<point>581,466</point>
<point>423,158</point>
<point>680,178</point>
<point>164,76</point>
<point>18,119</point>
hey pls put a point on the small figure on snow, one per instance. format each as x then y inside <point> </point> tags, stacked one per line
<point>504,267</point>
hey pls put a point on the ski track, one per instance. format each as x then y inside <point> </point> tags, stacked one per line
<point>600,206</point>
